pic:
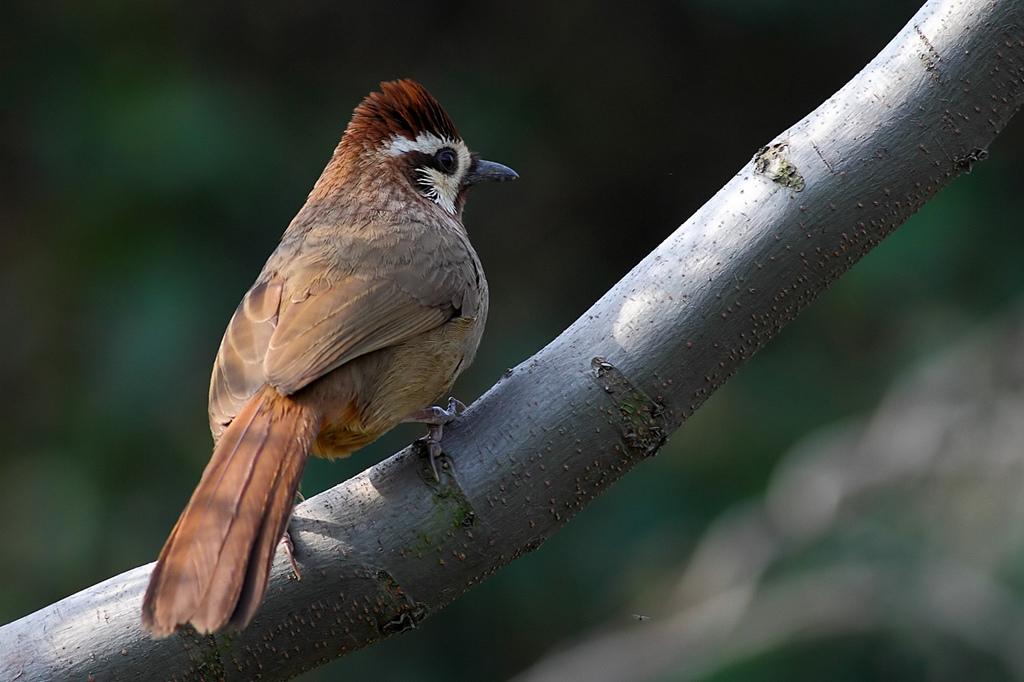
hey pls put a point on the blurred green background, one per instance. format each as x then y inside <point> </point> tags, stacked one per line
<point>152,154</point>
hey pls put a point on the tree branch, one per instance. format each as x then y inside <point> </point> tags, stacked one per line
<point>385,549</point>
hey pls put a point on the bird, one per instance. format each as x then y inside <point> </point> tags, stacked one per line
<point>371,305</point>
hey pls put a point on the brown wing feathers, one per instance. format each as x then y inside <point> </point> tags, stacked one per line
<point>238,372</point>
<point>351,319</point>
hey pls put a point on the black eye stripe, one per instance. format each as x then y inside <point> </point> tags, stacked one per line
<point>419,166</point>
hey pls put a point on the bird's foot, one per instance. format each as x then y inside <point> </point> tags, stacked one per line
<point>435,418</point>
<point>288,546</point>
<point>289,550</point>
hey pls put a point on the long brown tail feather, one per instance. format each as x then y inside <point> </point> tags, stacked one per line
<point>213,570</point>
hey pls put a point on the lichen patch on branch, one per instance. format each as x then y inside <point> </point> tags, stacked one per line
<point>770,162</point>
<point>640,420</point>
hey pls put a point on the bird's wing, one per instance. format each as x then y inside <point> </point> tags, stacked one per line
<point>289,336</point>
<point>238,370</point>
<point>349,319</point>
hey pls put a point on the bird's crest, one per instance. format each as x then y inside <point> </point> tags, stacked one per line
<point>402,108</point>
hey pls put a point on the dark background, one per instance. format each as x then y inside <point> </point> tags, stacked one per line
<point>152,154</point>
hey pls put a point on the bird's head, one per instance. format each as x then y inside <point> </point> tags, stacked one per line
<point>403,127</point>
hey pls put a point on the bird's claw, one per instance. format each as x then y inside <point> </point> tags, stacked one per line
<point>435,418</point>
<point>433,452</point>
<point>289,549</point>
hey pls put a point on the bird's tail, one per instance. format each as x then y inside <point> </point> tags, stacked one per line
<point>213,570</point>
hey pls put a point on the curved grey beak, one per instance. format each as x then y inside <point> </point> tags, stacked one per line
<point>488,171</point>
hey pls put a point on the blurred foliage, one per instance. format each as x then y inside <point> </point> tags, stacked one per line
<point>151,155</point>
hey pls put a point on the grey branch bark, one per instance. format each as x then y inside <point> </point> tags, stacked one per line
<point>387,548</point>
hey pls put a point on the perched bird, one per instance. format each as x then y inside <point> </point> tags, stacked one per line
<point>367,311</point>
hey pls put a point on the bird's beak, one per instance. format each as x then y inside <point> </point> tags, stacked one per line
<point>488,171</point>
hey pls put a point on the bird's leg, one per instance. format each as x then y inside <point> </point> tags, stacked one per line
<point>435,418</point>
<point>286,543</point>
<point>289,550</point>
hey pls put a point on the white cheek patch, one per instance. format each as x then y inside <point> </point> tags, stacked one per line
<point>441,188</point>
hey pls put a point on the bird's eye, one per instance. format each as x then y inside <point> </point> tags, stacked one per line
<point>447,160</point>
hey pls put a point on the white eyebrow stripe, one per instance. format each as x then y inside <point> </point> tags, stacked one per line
<point>426,143</point>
